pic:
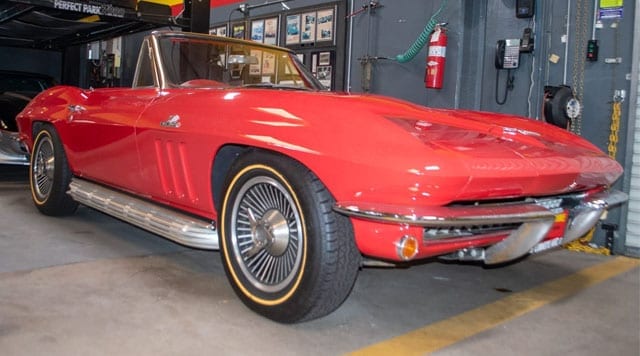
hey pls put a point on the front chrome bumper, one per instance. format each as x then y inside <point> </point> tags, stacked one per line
<point>526,223</point>
<point>12,150</point>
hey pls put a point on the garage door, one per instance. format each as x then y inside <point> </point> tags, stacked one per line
<point>633,218</point>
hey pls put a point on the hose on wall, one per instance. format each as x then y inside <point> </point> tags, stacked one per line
<point>419,43</point>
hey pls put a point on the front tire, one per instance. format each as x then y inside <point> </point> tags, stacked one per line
<point>49,174</point>
<point>287,254</point>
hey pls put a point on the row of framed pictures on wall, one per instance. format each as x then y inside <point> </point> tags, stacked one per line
<point>306,27</point>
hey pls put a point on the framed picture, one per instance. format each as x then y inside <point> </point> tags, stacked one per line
<point>293,29</point>
<point>324,75</point>
<point>324,58</point>
<point>254,69</point>
<point>308,27</point>
<point>219,31</point>
<point>325,26</point>
<point>271,31</point>
<point>257,31</point>
<point>268,63</point>
<point>238,30</point>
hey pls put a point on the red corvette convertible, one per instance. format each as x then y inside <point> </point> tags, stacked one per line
<point>232,145</point>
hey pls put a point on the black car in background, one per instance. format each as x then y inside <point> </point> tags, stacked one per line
<point>16,90</point>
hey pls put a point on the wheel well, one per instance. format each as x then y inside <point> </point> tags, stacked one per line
<point>35,127</point>
<point>221,164</point>
<point>223,161</point>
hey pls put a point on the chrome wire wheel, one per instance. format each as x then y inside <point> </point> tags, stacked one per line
<point>49,174</point>
<point>266,234</point>
<point>287,254</point>
<point>43,168</point>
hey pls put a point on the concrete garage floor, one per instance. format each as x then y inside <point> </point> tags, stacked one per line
<point>92,285</point>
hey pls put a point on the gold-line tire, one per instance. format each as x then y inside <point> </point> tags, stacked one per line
<point>49,174</point>
<point>286,253</point>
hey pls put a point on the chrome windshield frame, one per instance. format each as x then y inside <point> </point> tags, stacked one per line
<point>159,67</point>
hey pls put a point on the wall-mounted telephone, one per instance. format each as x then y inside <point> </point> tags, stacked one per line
<point>507,54</point>
<point>508,57</point>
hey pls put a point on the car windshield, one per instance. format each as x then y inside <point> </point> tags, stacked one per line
<point>216,62</point>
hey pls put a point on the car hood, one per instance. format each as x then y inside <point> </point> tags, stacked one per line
<point>430,125</point>
<point>484,155</point>
<point>448,127</point>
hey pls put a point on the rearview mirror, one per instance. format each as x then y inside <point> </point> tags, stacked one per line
<point>242,59</point>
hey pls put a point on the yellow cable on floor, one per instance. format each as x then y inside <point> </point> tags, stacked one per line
<point>584,244</point>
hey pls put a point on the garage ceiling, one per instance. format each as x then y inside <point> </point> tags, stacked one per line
<point>56,24</point>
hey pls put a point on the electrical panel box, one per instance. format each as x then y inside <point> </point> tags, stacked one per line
<point>525,8</point>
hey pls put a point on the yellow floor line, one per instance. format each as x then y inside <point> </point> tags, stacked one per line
<point>447,332</point>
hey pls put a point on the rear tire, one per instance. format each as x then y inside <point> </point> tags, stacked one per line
<point>287,254</point>
<point>49,175</point>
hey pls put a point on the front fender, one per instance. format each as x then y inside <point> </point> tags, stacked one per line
<point>50,106</point>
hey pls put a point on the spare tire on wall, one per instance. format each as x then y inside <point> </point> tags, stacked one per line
<point>560,106</point>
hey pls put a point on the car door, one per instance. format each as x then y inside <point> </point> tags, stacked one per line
<point>104,145</point>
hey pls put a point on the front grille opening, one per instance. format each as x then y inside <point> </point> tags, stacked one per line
<point>437,233</point>
<point>549,201</point>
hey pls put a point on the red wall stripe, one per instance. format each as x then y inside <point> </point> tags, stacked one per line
<point>176,9</point>
<point>216,3</point>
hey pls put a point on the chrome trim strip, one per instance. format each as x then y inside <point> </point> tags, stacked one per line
<point>453,216</point>
<point>12,150</point>
<point>165,222</point>
<point>608,199</point>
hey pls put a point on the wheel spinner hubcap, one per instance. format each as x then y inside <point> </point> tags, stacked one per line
<point>266,234</point>
<point>270,232</point>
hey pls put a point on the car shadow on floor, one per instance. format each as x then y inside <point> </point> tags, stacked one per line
<point>14,177</point>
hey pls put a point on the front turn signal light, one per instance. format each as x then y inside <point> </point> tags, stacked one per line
<point>407,247</point>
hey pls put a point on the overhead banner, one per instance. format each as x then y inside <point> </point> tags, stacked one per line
<point>93,8</point>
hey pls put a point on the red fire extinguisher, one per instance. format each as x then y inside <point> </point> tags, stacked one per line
<point>436,59</point>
